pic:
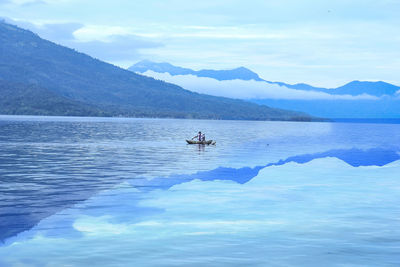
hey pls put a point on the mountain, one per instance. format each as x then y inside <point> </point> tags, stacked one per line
<point>372,88</point>
<point>353,88</point>
<point>34,100</point>
<point>240,73</point>
<point>302,87</point>
<point>146,65</point>
<point>387,107</point>
<point>41,77</point>
<point>357,99</point>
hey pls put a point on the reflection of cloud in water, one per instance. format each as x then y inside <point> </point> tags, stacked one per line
<point>276,217</point>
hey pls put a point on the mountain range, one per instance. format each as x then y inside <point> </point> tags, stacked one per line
<point>352,88</point>
<point>241,73</point>
<point>356,99</point>
<point>42,78</point>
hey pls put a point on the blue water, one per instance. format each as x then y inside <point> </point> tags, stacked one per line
<point>130,192</point>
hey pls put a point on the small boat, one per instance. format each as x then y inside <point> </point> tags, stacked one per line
<point>208,142</point>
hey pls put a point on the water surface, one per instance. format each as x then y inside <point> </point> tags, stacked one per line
<point>115,191</point>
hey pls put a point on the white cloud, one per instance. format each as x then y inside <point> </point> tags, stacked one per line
<point>28,2</point>
<point>115,48</point>
<point>24,2</point>
<point>248,89</point>
<point>104,42</point>
<point>99,33</point>
<point>219,35</point>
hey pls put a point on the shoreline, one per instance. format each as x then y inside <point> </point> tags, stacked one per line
<point>331,120</point>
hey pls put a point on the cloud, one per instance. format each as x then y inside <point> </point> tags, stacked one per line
<point>103,42</point>
<point>99,32</point>
<point>32,2</point>
<point>248,89</point>
<point>23,2</point>
<point>55,31</point>
<point>26,2</point>
<point>118,47</point>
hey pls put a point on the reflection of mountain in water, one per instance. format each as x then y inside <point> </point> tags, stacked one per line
<point>13,223</point>
<point>353,157</point>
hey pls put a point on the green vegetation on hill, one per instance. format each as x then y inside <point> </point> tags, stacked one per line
<point>21,99</point>
<point>40,77</point>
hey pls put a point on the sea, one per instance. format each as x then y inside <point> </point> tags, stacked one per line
<point>78,191</point>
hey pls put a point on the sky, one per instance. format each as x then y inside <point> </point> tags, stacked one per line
<point>322,43</point>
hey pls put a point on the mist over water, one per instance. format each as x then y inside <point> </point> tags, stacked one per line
<point>130,191</point>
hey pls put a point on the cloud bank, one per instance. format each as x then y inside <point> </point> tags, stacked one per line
<point>248,89</point>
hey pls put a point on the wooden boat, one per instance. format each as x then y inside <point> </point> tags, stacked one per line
<point>208,142</point>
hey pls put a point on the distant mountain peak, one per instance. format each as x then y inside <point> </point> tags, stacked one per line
<point>358,82</point>
<point>241,73</point>
<point>377,88</point>
<point>162,67</point>
<point>356,87</point>
<point>245,70</point>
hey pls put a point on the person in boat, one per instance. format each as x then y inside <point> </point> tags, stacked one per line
<point>203,137</point>
<point>198,136</point>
